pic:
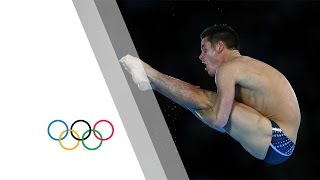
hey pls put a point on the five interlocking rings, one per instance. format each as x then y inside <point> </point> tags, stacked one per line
<point>83,137</point>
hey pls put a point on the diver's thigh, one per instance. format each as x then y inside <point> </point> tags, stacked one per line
<point>250,128</point>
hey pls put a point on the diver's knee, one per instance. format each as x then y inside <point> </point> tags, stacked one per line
<point>219,124</point>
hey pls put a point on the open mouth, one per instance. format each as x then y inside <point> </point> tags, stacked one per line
<point>205,65</point>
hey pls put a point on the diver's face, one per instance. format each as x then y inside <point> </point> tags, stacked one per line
<point>209,57</point>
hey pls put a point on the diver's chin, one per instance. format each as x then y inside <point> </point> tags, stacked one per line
<point>210,74</point>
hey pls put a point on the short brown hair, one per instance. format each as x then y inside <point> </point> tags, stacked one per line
<point>224,33</point>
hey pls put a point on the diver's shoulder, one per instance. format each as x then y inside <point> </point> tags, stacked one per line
<point>240,61</point>
<point>245,60</point>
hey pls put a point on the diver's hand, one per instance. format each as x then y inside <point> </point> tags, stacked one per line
<point>135,67</point>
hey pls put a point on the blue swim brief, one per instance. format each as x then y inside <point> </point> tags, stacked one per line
<point>281,147</point>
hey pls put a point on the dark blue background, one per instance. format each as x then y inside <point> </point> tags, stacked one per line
<point>284,34</point>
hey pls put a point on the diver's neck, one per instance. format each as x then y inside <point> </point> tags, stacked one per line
<point>231,54</point>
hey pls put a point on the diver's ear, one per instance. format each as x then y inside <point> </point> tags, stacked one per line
<point>220,46</point>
